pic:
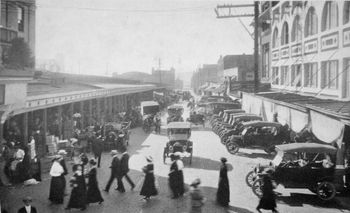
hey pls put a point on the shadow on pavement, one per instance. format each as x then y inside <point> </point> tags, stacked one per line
<point>207,164</point>
<point>298,199</point>
<point>255,155</point>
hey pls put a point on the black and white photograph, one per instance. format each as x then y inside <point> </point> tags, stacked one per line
<point>174,106</point>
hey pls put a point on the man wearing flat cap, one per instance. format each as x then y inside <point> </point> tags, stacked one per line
<point>27,208</point>
<point>115,169</point>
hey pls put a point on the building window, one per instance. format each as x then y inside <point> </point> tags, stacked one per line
<point>329,16</point>
<point>311,22</point>
<point>265,61</point>
<point>296,75</point>
<point>2,94</point>
<point>20,18</point>
<point>310,75</point>
<point>346,13</point>
<point>275,75</point>
<point>296,30</point>
<point>275,38</point>
<point>285,9</point>
<point>330,74</point>
<point>285,34</point>
<point>285,75</point>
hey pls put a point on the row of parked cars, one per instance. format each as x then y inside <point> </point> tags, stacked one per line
<point>236,129</point>
<point>296,164</point>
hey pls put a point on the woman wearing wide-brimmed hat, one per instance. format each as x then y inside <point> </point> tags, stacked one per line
<point>57,182</point>
<point>78,194</point>
<point>93,191</point>
<point>223,193</point>
<point>197,198</point>
<point>149,184</point>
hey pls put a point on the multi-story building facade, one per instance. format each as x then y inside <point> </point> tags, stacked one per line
<point>17,19</point>
<point>310,48</point>
<point>305,56</point>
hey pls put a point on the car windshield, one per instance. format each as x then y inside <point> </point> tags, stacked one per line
<point>179,131</point>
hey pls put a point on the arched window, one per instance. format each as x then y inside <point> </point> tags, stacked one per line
<point>296,29</point>
<point>330,15</point>
<point>310,23</point>
<point>285,9</point>
<point>346,13</point>
<point>285,34</point>
<point>275,38</point>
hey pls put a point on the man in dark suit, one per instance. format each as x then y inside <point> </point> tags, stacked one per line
<point>27,208</point>
<point>115,170</point>
<point>124,169</point>
<point>97,147</point>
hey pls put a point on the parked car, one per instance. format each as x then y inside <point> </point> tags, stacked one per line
<point>302,165</point>
<point>179,134</point>
<point>236,125</point>
<point>259,133</point>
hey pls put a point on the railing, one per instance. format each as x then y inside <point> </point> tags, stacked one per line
<point>6,35</point>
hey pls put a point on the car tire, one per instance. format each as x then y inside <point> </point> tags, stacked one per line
<point>223,139</point>
<point>326,191</point>
<point>232,147</point>
<point>257,187</point>
<point>250,178</point>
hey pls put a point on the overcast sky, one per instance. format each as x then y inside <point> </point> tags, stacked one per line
<point>131,35</point>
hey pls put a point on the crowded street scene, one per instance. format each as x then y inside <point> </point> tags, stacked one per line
<point>148,106</point>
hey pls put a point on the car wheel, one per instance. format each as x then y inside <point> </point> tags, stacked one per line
<point>232,147</point>
<point>250,178</point>
<point>326,191</point>
<point>257,187</point>
<point>223,139</point>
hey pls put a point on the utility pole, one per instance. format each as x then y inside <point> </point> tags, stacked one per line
<point>256,26</point>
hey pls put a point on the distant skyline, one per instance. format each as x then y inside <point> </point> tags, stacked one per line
<point>122,36</point>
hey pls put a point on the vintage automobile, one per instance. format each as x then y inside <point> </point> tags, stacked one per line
<point>148,110</point>
<point>222,116</point>
<point>216,107</point>
<point>259,133</point>
<point>179,134</point>
<point>300,165</point>
<point>175,113</point>
<point>225,119</point>
<point>196,118</point>
<point>236,125</point>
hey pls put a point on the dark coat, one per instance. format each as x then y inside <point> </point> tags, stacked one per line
<point>63,164</point>
<point>23,210</point>
<point>149,187</point>
<point>97,146</point>
<point>115,167</point>
<point>268,199</point>
<point>93,192</point>
<point>78,194</point>
<point>124,164</point>
<point>223,193</point>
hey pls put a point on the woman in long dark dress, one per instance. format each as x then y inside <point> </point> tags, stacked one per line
<point>223,193</point>
<point>267,200</point>
<point>149,187</point>
<point>174,177</point>
<point>93,192</point>
<point>78,195</point>
<point>57,183</point>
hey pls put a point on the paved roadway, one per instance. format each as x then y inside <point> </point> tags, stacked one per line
<point>206,155</point>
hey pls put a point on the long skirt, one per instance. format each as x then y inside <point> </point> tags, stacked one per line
<point>77,198</point>
<point>149,188</point>
<point>56,190</point>
<point>93,193</point>
<point>223,193</point>
<point>267,202</point>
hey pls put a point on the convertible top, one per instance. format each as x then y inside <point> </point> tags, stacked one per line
<point>261,123</point>
<point>179,125</point>
<point>246,115</point>
<point>306,147</point>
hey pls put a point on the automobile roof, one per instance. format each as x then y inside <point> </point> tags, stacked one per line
<point>307,147</point>
<point>149,103</point>
<point>245,115</point>
<point>261,123</point>
<point>233,110</point>
<point>179,125</point>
